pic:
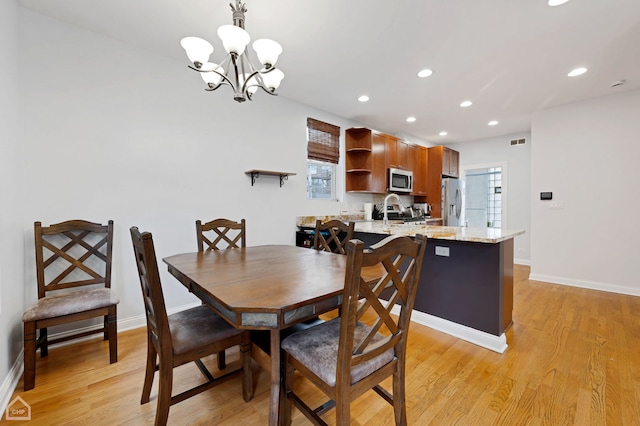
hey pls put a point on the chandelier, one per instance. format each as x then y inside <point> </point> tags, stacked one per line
<point>236,70</point>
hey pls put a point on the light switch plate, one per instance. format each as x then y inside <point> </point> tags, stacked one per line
<point>442,251</point>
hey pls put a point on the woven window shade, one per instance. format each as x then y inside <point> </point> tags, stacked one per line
<point>324,141</point>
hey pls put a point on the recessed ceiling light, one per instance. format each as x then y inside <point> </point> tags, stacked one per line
<point>411,119</point>
<point>492,123</point>
<point>363,98</point>
<point>425,73</point>
<point>577,71</point>
<point>556,2</point>
<point>443,133</point>
<point>466,104</point>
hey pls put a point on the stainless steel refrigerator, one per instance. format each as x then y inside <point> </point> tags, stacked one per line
<point>452,202</point>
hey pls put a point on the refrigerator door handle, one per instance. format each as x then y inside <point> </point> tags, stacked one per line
<point>458,203</point>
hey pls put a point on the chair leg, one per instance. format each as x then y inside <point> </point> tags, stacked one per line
<point>399,408</point>
<point>150,371</point>
<point>288,387</point>
<point>111,332</point>
<point>43,343</point>
<point>29,380</point>
<point>343,411</point>
<point>222,360</point>
<point>164,391</point>
<point>247,376</point>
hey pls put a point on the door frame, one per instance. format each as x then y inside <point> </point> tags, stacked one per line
<point>505,190</point>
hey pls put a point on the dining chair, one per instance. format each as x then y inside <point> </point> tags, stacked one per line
<point>332,235</point>
<point>220,231</point>
<point>73,270</point>
<point>183,337</point>
<point>353,353</point>
<point>221,234</point>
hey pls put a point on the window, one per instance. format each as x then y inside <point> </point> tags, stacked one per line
<point>323,153</point>
<point>483,197</point>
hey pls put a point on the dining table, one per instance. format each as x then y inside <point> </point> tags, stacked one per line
<point>268,287</point>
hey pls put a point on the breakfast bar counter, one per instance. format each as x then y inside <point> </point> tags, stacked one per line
<point>466,285</point>
<point>453,233</point>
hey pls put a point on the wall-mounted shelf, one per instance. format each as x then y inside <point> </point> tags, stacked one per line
<point>256,173</point>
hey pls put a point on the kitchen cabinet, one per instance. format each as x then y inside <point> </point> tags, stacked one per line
<point>450,162</point>
<point>420,156</point>
<point>365,163</point>
<point>442,162</point>
<point>399,154</point>
<point>369,155</point>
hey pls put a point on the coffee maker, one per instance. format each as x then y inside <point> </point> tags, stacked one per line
<point>425,208</point>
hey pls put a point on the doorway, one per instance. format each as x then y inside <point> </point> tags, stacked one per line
<point>485,197</point>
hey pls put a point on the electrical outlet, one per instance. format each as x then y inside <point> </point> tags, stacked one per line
<point>442,251</point>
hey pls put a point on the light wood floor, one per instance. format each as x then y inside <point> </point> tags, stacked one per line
<point>573,359</point>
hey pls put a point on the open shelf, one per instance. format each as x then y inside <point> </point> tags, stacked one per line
<point>255,174</point>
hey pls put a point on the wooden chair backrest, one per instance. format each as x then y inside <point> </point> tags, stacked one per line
<point>401,259</point>
<point>338,235</point>
<point>79,253</point>
<point>154,306</point>
<point>219,231</point>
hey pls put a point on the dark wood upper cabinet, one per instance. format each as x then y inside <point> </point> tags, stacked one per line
<point>365,161</point>
<point>442,162</point>
<point>421,158</point>
<point>369,155</point>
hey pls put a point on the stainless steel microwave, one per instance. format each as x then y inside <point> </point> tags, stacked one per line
<point>400,180</point>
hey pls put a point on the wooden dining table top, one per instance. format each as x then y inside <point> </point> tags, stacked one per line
<point>268,286</point>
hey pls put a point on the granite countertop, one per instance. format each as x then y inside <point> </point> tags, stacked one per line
<point>455,233</point>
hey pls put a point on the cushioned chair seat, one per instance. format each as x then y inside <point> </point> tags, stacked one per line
<point>70,303</point>
<point>197,327</point>
<point>317,349</point>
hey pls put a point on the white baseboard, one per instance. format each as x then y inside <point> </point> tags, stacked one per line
<point>477,337</point>
<point>592,285</point>
<point>11,381</point>
<point>525,262</point>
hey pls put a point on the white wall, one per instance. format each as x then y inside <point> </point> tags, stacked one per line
<point>587,154</point>
<point>117,133</point>
<point>11,188</point>
<point>518,161</point>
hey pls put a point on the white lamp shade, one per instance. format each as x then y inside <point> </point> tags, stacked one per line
<point>198,50</point>
<point>252,85</point>
<point>211,77</point>
<point>272,78</point>
<point>234,38</point>
<point>267,51</point>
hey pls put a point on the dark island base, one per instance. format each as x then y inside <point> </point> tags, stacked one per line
<point>472,287</point>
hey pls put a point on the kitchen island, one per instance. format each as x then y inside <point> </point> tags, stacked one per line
<point>466,285</point>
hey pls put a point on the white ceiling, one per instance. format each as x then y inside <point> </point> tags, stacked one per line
<point>510,57</point>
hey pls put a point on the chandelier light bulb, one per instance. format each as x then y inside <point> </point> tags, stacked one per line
<point>268,51</point>
<point>272,79</point>
<point>211,78</point>
<point>252,85</point>
<point>234,39</point>
<point>198,50</point>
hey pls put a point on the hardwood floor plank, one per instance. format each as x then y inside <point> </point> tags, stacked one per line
<point>572,360</point>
